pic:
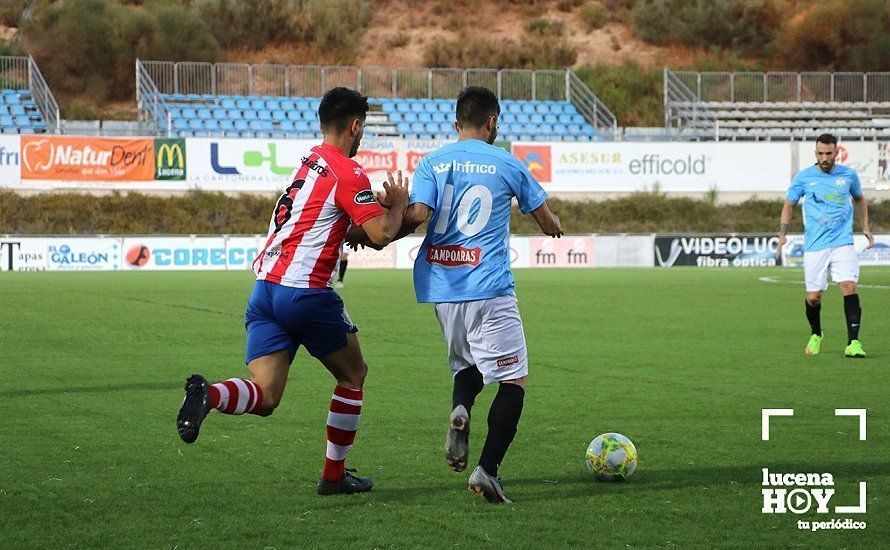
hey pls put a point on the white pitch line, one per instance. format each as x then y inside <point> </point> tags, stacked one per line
<point>773,280</point>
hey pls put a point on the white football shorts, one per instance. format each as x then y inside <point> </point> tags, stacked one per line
<point>841,260</point>
<point>486,333</point>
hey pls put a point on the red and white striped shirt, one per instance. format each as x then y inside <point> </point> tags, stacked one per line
<point>308,227</point>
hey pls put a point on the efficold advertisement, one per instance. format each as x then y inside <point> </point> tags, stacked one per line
<point>665,166</point>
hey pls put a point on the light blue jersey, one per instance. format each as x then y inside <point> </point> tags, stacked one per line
<point>827,208</point>
<point>466,254</point>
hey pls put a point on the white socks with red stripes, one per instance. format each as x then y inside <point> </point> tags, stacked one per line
<point>236,396</point>
<point>343,420</point>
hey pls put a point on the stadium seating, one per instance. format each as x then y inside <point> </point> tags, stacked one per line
<point>19,113</point>
<point>778,105</point>
<point>781,120</point>
<point>295,117</point>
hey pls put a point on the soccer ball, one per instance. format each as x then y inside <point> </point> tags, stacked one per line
<point>611,457</point>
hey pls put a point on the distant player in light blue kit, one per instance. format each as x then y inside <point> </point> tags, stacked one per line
<point>827,189</point>
<point>463,267</point>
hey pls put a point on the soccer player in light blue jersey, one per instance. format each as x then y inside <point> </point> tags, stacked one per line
<point>465,190</point>
<point>827,189</point>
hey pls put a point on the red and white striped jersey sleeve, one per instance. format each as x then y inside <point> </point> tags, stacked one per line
<point>355,197</point>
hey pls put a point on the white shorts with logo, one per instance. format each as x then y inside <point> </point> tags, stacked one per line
<point>486,333</point>
<point>841,260</point>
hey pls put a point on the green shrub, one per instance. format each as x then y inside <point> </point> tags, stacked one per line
<point>838,35</point>
<point>633,93</point>
<point>87,48</point>
<point>594,15</point>
<point>529,52</point>
<point>329,18</point>
<point>11,12</point>
<point>215,213</point>
<point>253,24</point>
<point>745,26</point>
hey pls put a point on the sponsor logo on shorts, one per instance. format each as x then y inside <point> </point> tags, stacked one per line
<point>508,361</point>
<point>453,256</point>
<point>365,196</point>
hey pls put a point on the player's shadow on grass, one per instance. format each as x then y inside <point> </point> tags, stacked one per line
<point>135,386</point>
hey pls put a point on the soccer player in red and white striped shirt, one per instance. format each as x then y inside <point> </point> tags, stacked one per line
<point>293,304</point>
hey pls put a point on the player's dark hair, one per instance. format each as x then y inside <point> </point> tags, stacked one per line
<point>827,139</point>
<point>339,107</point>
<point>474,105</point>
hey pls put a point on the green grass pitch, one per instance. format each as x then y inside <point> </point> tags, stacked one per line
<point>681,361</point>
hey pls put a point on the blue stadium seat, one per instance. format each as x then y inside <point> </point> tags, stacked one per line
<point>294,115</point>
<point>6,120</point>
<point>445,128</point>
<point>541,108</point>
<point>560,129</point>
<point>211,124</point>
<point>249,114</point>
<point>180,124</point>
<point>536,118</point>
<point>528,108</point>
<point>220,114</point>
<point>227,124</point>
<point>196,124</point>
<point>273,104</point>
<point>416,107</point>
<point>431,107</point>
<point>556,108</point>
<point>424,117</point>
<point>403,106</point>
<point>264,115</point>
<point>233,113</point>
<point>565,119</point>
<point>204,113</point>
<point>189,113</point>
<point>417,127</point>
<point>242,103</point>
<point>241,125</point>
<point>432,128</point>
<point>286,125</point>
<point>578,119</point>
<point>310,115</point>
<point>388,107</point>
<point>394,117</point>
<point>550,119</point>
<point>257,104</point>
<point>569,108</point>
<point>279,115</point>
<point>11,99</point>
<point>302,105</point>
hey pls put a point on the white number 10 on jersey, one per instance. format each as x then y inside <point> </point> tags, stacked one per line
<point>470,229</point>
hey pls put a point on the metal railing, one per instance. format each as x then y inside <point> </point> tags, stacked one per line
<point>151,109</point>
<point>377,82</point>
<point>793,87</point>
<point>14,72</point>
<point>589,105</point>
<point>43,97</point>
<point>683,107</point>
<point>22,73</point>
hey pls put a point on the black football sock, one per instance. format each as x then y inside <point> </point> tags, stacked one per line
<point>342,274</point>
<point>503,417</point>
<point>814,317</point>
<point>467,385</point>
<point>854,315</point>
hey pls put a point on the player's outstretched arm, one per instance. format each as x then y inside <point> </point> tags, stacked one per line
<point>547,221</point>
<point>862,208</point>
<point>784,222</point>
<point>382,230</point>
